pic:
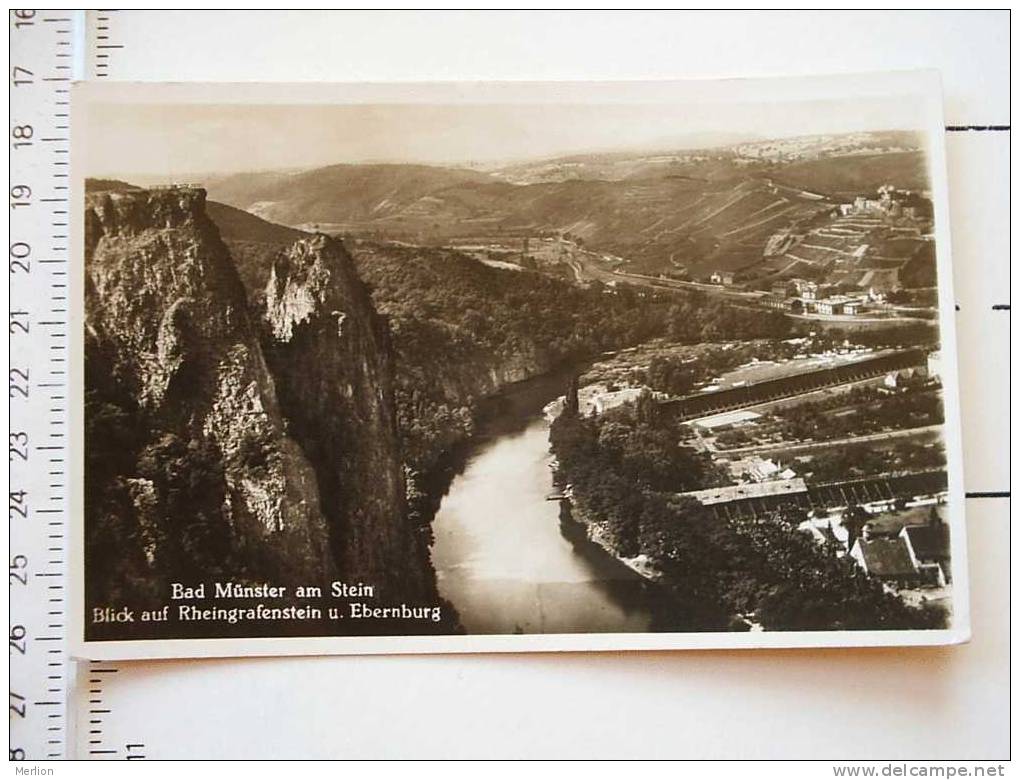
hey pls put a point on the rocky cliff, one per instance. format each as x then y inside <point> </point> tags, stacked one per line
<point>462,332</point>
<point>205,460</point>
<point>330,354</point>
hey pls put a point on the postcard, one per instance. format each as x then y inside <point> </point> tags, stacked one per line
<point>476,367</point>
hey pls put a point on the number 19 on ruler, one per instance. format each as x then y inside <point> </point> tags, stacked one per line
<point>42,45</point>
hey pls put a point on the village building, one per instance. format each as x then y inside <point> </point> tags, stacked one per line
<point>838,304</point>
<point>829,306</point>
<point>778,302</point>
<point>763,470</point>
<point>929,549</point>
<point>612,399</point>
<point>919,555</point>
<point>889,560</point>
<point>781,288</point>
<point>805,289</point>
<point>896,379</point>
<point>825,535</point>
<point>760,490</point>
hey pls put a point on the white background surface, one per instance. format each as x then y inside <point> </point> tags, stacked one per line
<point>919,703</point>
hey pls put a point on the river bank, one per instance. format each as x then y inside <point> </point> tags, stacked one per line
<point>511,561</point>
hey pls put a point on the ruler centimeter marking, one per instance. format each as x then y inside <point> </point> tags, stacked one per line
<point>93,709</point>
<point>41,47</point>
<point>103,41</point>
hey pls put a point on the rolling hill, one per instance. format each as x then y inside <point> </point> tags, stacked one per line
<point>651,222</point>
<point>238,225</point>
<point>855,174</point>
<point>689,212</point>
<point>338,193</point>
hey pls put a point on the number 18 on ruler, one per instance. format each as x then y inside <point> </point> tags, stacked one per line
<point>39,188</point>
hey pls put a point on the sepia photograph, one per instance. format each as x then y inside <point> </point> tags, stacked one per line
<point>462,367</point>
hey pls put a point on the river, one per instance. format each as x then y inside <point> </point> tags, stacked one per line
<point>509,560</point>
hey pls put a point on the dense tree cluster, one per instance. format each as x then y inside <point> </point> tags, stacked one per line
<point>764,569</point>
<point>441,298</point>
<point>803,586</point>
<point>699,318</point>
<point>462,329</point>
<point>912,334</point>
<point>671,374</point>
<point>852,461</point>
<point>864,412</point>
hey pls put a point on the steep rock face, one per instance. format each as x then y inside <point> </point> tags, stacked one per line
<point>205,460</point>
<point>330,354</point>
<point>170,345</point>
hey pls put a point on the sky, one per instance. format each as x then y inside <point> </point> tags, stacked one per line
<point>179,138</point>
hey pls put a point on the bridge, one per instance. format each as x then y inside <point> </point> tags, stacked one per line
<point>704,404</point>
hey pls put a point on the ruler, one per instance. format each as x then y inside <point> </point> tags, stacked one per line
<point>57,708</point>
<point>42,64</point>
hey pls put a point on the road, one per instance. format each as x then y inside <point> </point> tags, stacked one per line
<point>586,268</point>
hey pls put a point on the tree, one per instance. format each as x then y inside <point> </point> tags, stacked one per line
<point>854,520</point>
<point>792,515</point>
<point>646,409</point>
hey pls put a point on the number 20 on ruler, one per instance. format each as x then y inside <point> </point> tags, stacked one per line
<point>41,43</point>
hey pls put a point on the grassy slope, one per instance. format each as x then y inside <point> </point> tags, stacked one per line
<point>857,174</point>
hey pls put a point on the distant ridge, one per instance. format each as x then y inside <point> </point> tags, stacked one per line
<point>238,225</point>
<point>108,185</point>
<point>689,212</point>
